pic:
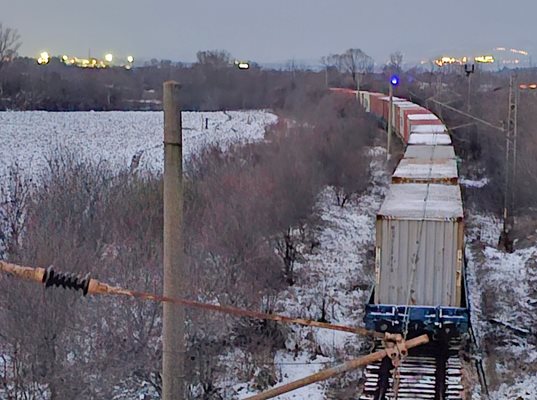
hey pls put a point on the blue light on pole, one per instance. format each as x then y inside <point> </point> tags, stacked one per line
<point>394,80</point>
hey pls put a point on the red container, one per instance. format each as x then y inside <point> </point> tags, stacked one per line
<point>404,121</point>
<point>376,104</point>
<point>399,108</point>
<point>386,105</point>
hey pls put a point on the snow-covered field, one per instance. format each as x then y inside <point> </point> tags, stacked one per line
<point>29,138</point>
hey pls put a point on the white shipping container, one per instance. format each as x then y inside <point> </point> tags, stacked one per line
<point>366,101</point>
<point>430,139</point>
<point>419,246</point>
<point>423,117</point>
<point>428,129</point>
<point>430,152</point>
<point>419,170</point>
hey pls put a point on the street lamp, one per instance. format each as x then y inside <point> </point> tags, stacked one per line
<point>394,81</point>
<point>469,69</point>
<point>109,57</point>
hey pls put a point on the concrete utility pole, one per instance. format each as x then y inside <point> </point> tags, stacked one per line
<point>173,331</point>
<point>389,123</point>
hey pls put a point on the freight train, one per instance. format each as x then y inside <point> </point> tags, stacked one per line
<point>419,252</point>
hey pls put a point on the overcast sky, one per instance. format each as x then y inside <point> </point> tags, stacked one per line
<point>270,30</point>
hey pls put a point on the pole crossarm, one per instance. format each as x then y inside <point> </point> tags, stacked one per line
<point>50,277</point>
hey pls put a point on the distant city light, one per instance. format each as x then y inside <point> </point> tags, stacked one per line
<point>449,60</point>
<point>44,58</point>
<point>484,59</point>
<point>109,57</point>
<point>130,59</point>
<point>242,64</point>
<point>515,51</point>
<point>523,52</point>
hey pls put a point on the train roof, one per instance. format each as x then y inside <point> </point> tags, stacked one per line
<point>429,139</point>
<point>394,99</point>
<point>423,117</point>
<point>426,170</point>
<point>406,104</point>
<point>428,128</point>
<point>421,201</point>
<point>429,152</point>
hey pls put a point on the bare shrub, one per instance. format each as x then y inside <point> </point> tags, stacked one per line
<point>249,214</point>
<point>14,196</point>
<point>85,219</point>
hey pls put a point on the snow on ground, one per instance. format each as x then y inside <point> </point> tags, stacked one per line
<point>503,297</point>
<point>28,138</point>
<point>338,275</point>
<point>293,367</point>
<point>474,183</point>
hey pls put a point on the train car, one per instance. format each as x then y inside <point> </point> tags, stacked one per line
<point>423,170</point>
<point>428,127</point>
<point>397,111</point>
<point>403,120</point>
<point>415,119</point>
<point>419,261</point>
<point>430,152</point>
<point>429,139</point>
<point>376,104</point>
<point>385,101</point>
<point>363,97</point>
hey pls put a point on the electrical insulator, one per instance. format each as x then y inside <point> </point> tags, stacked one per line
<point>67,281</point>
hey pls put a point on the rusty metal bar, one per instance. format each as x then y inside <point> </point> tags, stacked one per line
<point>96,287</point>
<point>331,372</point>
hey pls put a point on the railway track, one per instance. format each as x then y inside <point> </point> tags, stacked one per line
<point>432,372</point>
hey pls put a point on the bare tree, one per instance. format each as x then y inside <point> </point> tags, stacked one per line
<point>395,64</point>
<point>9,44</point>
<point>328,62</point>
<point>355,62</point>
<point>214,58</point>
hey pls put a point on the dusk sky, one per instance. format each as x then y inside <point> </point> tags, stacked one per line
<point>270,31</point>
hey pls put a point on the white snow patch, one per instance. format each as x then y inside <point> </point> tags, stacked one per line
<point>524,389</point>
<point>293,367</point>
<point>474,183</point>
